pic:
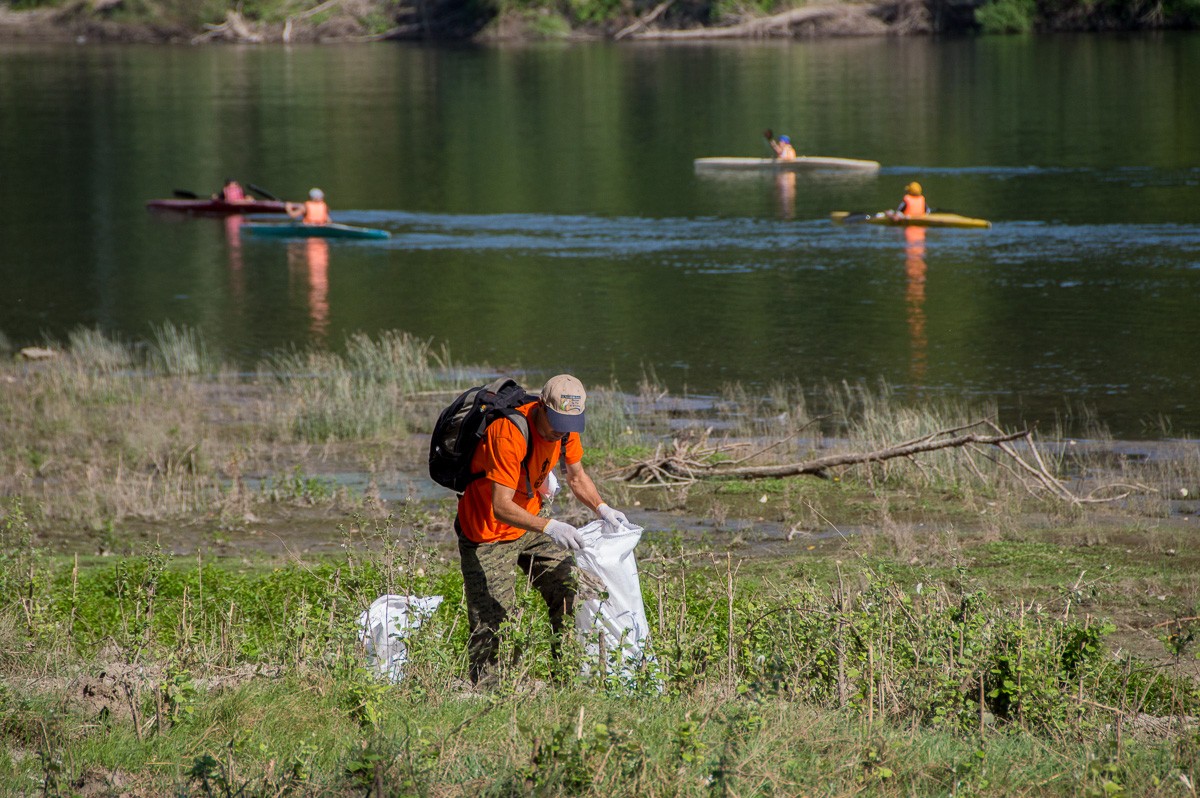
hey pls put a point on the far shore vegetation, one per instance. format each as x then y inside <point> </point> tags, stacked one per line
<point>185,549</point>
<point>257,21</point>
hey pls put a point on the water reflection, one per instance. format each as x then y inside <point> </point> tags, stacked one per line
<point>785,190</point>
<point>308,260</point>
<point>914,268</point>
<point>237,271</point>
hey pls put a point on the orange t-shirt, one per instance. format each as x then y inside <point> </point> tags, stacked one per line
<point>500,456</point>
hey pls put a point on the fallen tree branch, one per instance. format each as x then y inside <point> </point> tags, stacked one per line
<point>234,27</point>
<point>643,21</point>
<point>317,9</point>
<point>825,463</point>
<point>765,26</point>
<point>681,463</point>
<point>1176,620</point>
<point>303,15</point>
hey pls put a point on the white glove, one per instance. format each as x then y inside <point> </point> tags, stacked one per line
<point>564,535</point>
<point>611,516</point>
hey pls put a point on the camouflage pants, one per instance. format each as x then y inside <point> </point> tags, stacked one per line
<point>490,586</point>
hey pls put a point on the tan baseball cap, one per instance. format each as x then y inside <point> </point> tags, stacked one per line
<point>563,397</point>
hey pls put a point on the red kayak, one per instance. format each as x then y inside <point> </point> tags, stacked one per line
<point>216,207</point>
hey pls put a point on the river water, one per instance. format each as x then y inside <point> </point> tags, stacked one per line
<point>545,213</point>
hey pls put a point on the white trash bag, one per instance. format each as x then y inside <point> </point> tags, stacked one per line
<point>386,624</point>
<point>549,487</point>
<point>620,619</point>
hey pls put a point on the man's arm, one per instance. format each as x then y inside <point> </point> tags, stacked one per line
<point>582,486</point>
<point>585,490</point>
<point>511,513</point>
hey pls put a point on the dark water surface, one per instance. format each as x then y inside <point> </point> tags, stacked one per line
<point>545,212</point>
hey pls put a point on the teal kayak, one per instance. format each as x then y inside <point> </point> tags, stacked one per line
<point>297,230</point>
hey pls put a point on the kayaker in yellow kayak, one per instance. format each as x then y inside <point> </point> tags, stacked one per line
<point>912,205</point>
<point>313,211</point>
<point>782,146</point>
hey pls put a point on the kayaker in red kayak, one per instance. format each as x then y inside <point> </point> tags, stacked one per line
<point>232,192</point>
<point>314,211</point>
<point>912,205</point>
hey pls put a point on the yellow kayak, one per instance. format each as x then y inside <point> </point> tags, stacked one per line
<point>928,220</point>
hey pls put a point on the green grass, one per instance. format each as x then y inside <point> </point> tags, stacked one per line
<point>829,677</point>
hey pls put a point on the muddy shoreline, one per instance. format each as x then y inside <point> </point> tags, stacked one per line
<point>740,514</point>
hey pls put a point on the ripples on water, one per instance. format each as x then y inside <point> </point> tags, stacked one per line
<point>1006,243</point>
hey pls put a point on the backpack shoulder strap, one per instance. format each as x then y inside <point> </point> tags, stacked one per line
<point>521,422</point>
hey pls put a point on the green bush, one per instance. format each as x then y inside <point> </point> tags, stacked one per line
<point>594,10</point>
<point>1006,16</point>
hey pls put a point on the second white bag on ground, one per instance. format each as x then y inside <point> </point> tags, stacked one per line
<point>619,619</point>
<point>385,625</point>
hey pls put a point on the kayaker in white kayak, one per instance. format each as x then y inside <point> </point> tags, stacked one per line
<point>313,211</point>
<point>913,204</point>
<point>784,151</point>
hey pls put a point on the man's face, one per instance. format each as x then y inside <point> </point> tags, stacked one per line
<point>544,429</point>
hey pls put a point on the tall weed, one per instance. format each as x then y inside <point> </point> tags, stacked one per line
<point>181,351</point>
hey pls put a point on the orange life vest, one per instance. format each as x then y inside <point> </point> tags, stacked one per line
<point>914,205</point>
<point>316,212</point>
<point>786,152</point>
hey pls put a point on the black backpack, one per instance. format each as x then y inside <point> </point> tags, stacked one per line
<point>463,424</point>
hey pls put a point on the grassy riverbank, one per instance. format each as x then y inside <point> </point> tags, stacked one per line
<point>184,557</point>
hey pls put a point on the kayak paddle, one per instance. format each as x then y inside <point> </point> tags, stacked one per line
<point>846,217</point>
<point>186,194</point>
<point>262,192</point>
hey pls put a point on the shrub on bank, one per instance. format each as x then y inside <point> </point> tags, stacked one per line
<point>1006,16</point>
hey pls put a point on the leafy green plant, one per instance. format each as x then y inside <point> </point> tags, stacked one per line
<point>1006,16</point>
<point>178,693</point>
<point>297,487</point>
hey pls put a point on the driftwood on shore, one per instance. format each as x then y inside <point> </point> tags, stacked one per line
<point>233,28</point>
<point>643,20</point>
<point>685,463</point>
<point>775,25</point>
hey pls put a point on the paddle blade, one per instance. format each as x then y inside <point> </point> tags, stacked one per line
<point>262,192</point>
<point>768,134</point>
<point>848,217</point>
<point>186,194</point>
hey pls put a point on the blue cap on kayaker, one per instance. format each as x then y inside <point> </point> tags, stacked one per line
<point>316,194</point>
<point>785,139</point>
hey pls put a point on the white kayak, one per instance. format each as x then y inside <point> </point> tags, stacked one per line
<point>802,164</point>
